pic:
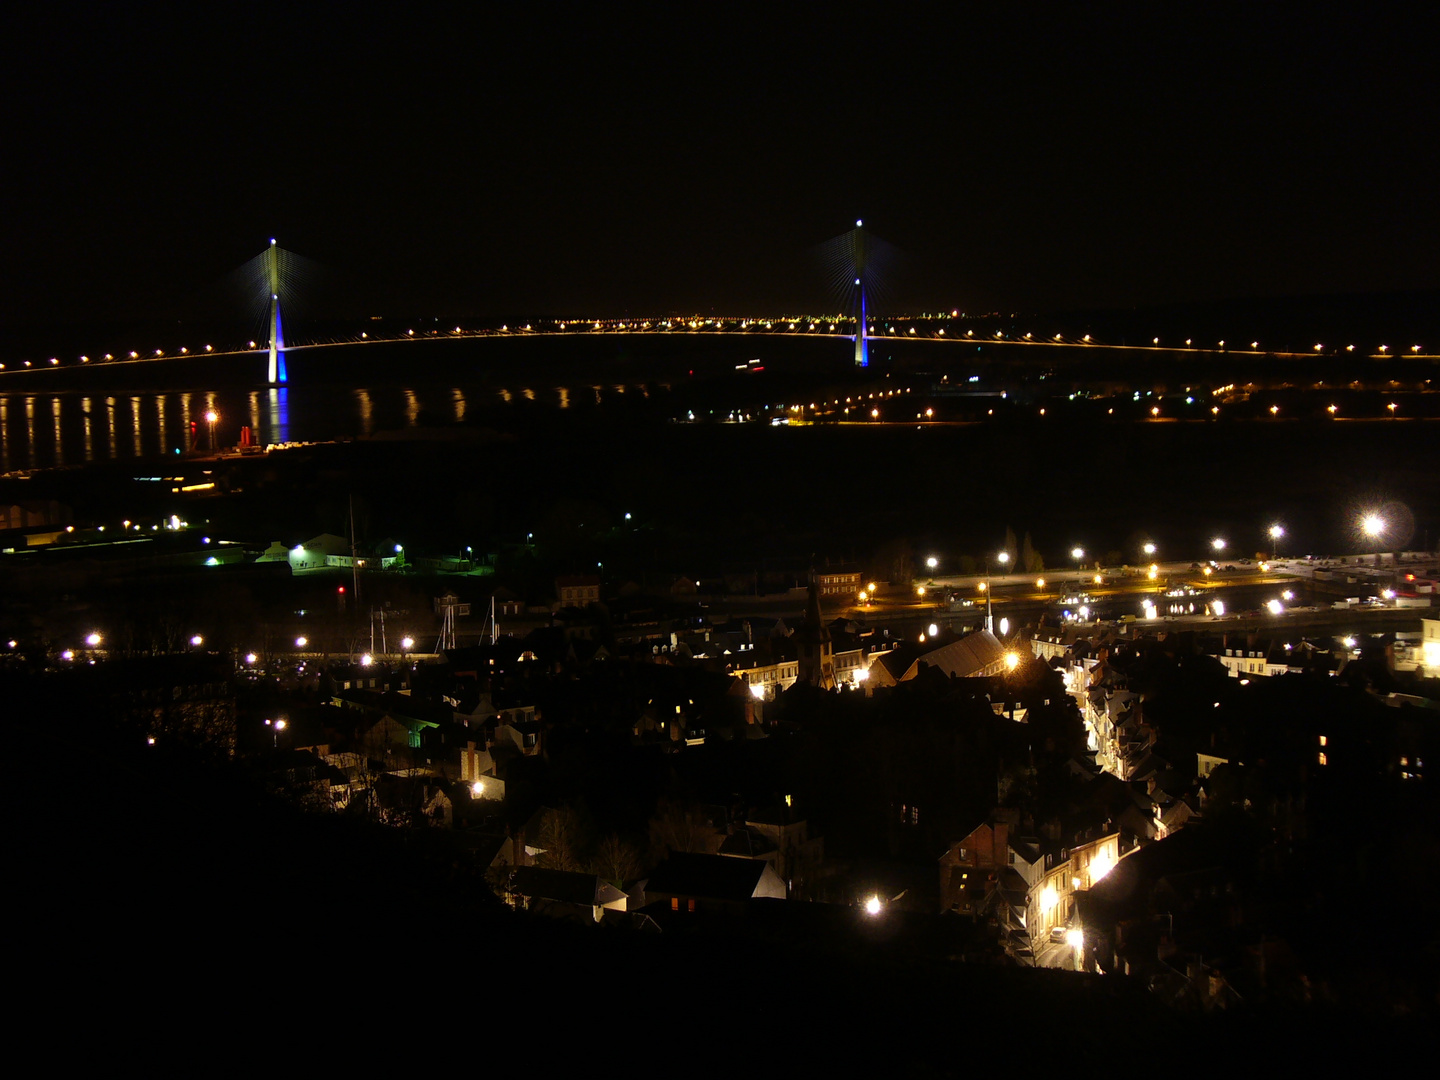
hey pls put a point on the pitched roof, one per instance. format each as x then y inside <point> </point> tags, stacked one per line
<point>968,656</point>
<point>566,886</point>
<point>714,876</point>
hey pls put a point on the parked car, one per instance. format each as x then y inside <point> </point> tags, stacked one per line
<point>1057,933</point>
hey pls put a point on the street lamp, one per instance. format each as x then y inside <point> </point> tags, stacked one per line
<point>1374,527</point>
<point>1002,558</point>
<point>1218,544</point>
<point>1276,532</point>
<point>872,906</point>
<point>1149,548</point>
<point>211,416</point>
<point>932,562</point>
<point>1077,554</point>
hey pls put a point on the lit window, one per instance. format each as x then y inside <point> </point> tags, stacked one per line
<point>1323,741</point>
<point>1322,758</point>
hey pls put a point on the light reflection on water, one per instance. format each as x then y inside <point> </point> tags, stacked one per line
<point>82,428</point>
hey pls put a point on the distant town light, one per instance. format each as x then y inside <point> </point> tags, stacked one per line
<point>92,640</point>
<point>301,642</point>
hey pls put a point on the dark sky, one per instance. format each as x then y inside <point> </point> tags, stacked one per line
<point>553,158</point>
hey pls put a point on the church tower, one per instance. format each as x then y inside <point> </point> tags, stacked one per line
<point>817,651</point>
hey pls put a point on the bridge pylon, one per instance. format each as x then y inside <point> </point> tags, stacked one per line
<point>276,374</point>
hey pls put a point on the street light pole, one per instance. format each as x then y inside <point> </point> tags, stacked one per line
<point>1002,559</point>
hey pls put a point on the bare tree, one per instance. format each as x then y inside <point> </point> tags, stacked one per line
<point>561,840</point>
<point>616,860</point>
<point>680,827</point>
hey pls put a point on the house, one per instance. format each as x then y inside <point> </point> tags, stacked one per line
<point>838,582</point>
<point>577,591</point>
<point>563,894</point>
<point>970,863</point>
<point>689,883</point>
<point>977,654</point>
<point>766,680</point>
<point>799,856</point>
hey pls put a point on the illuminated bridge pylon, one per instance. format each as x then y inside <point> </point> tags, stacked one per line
<point>859,246</point>
<point>276,374</point>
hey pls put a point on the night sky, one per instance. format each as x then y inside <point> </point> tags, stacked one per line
<point>598,159</point>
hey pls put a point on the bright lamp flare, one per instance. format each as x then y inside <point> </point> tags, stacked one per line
<point>872,906</point>
<point>1373,524</point>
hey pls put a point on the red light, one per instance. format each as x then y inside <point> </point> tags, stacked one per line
<point>341,589</point>
<point>1409,577</point>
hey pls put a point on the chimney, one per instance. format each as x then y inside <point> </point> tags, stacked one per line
<point>1001,833</point>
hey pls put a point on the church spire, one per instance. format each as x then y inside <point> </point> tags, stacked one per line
<point>817,653</point>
